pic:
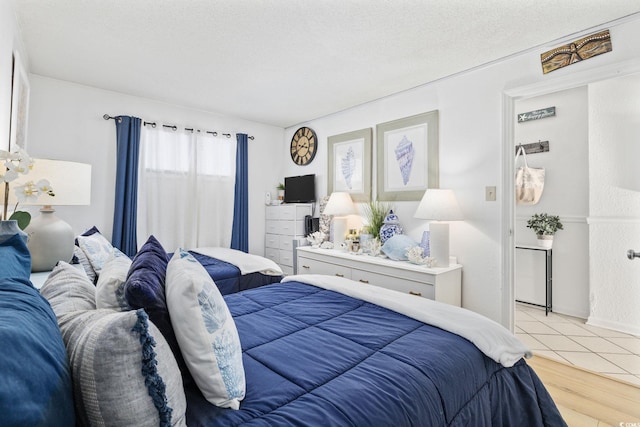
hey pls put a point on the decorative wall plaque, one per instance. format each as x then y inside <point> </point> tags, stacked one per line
<point>537,114</point>
<point>579,50</point>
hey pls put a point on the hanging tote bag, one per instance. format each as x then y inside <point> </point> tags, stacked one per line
<point>529,181</point>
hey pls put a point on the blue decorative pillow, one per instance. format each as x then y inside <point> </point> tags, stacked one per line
<point>144,288</point>
<point>396,247</point>
<point>16,259</point>
<point>35,380</point>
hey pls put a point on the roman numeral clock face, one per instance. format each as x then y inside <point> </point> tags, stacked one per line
<point>304,145</point>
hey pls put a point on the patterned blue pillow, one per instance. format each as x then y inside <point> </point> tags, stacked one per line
<point>206,331</point>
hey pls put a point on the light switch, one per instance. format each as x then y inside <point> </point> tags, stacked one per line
<point>490,194</point>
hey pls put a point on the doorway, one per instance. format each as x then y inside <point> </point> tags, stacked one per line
<point>607,227</point>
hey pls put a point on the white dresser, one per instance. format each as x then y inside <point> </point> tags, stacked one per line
<point>285,223</point>
<point>439,284</point>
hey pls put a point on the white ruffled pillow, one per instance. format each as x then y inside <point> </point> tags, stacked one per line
<point>205,331</point>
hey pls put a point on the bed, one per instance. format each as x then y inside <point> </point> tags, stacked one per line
<point>235,271</point>
<point>321,350</point>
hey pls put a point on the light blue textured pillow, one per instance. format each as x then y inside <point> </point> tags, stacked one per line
<point>396,247</point>
<point>97,249</point>
<point>205,331</point>
<point>110,285</point>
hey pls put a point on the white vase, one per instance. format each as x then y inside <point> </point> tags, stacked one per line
<point>9,228</point>
<point>545,241</point>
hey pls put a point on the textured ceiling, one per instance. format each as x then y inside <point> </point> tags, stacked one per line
<point>283,62</point>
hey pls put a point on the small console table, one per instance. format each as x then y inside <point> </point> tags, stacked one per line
<point>548,290</point>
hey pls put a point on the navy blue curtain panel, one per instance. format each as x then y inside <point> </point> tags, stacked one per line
<point>240,231</point>
<point>126,203</point>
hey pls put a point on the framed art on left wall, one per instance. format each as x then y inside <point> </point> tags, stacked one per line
<point>19,104</point>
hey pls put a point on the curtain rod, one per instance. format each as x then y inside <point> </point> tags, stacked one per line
<point>173,127</point>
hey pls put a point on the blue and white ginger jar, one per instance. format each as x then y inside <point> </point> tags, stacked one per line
<point>390,228</point>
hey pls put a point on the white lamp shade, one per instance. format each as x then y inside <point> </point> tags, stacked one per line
<point>439,205</point>
<point>71,182</point>
<point>340,204</point>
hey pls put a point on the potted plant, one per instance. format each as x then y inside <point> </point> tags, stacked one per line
<point>545,226</point>
<point>375,212</point>
<point>280,189</point>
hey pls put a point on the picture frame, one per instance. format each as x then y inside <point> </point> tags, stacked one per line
<point>349,164</point>
<point>19,105</point>
<point>407,157</point>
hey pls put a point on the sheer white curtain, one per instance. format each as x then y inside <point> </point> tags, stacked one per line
<point>185,188</point>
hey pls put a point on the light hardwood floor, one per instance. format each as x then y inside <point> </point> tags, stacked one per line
<point>586,398</point>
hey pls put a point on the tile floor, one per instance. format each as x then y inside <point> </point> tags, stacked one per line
<point>570,340</point>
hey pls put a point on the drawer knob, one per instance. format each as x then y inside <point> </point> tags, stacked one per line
<point>418,294</point>
<point>306,266</point>
<point>339,275</point>
<point>364,281</point>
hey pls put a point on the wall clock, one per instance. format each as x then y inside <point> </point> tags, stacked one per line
<point>304,146</point>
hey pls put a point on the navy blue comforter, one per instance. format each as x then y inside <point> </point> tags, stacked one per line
<point>314,357</point>
<point>228,277</point>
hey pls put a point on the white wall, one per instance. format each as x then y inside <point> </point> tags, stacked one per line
<point>470,106</point>
<point>65,122</point>
<point>566,193</point>
<point>614,217</point>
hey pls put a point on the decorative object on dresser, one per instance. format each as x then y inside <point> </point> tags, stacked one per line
<point>439,284</point>
<point>375,212</point>
<point>50,238</point>
<point>439,205</point>
<point>391,227</point>
<point>545,226</point>
<point>340,206</point>
<point>284,231</point>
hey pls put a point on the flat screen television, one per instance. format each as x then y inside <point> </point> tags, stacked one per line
<point>300,189</point>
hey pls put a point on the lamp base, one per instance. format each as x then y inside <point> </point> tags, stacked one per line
<point>439,242</point>
<point>50,240</point>
<point>338,230</point>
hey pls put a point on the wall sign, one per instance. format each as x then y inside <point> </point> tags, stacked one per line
<point>537,114</point>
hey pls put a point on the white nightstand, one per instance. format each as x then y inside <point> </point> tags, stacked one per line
<point>439,284</point>
<point>39,278</point>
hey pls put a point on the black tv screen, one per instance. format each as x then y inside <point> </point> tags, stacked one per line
<point>300,189</point>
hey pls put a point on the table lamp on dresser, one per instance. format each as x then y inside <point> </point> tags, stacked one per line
<point>340,206</point>
<point>439,205</point>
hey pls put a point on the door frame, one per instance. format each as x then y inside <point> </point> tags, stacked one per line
<point>566,80</point>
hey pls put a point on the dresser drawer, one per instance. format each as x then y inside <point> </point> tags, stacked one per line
<point>273,254</point>
<point>286,243</point>
<point>272,241</point>
<point>286,258</point>
<point>405,286</point>
<point>312,266</point>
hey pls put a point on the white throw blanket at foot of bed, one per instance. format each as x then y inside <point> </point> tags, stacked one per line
<point>247,263</point>
<point>490,337</point>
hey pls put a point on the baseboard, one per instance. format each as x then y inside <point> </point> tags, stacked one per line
<point>616,326</point>
<point>570,312</point>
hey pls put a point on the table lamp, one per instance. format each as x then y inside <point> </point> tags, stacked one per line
<point>339,205</point>
<point>439,205</point>
<point>50,238</point>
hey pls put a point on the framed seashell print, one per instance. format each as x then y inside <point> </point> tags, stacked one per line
<point>349,164</point>
<point>407,157</point>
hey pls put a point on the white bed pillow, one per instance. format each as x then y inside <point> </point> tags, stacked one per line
<point>110,286</point>
<point>205,331</point>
